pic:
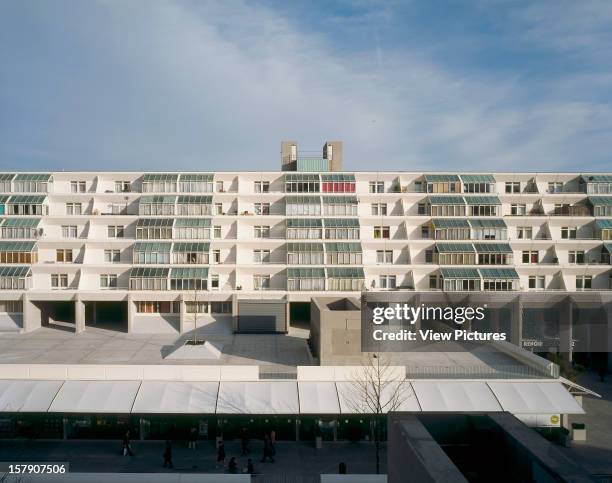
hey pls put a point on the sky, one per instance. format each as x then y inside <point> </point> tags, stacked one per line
<point>497,85</point>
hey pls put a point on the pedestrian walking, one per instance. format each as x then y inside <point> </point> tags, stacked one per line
<point>342,468</point>
<point>193,437</point>
<point>168,455</point>
<point>127,448</point>
<point>268,449</point>
<point>244,442</point>
<point>250,469</point>
<point>232,467</point>
<point>221,453</point>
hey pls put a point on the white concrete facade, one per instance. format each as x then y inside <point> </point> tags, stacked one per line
<point>558,227</point>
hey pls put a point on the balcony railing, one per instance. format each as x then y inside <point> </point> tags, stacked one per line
<point>571,211</point>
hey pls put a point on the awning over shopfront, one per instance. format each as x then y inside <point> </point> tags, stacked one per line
<point>354,399</point>
<point>318,397</point>
<point>176,397</point>
<point>451,396</point>
<point>29,396</point>
<point>260,397</point>
<point>535,398</point>
<point>114,397</point>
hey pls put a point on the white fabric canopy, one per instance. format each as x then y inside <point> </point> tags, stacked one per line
<point>258,397</point>
<point>27,396</point>
<point>160,397</point>
<point>318,397</point>
<point>95,397</point>
<point>353,398</point>
<point>455,396</point>
<point>535,398</point>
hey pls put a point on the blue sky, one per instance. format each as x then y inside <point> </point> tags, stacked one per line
<point>411,85</point>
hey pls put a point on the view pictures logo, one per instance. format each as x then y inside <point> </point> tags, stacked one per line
<point>412,314</point>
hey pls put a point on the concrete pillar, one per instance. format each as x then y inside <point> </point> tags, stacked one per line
<point>183,316</point>
<point>131,313</point>
<point>516,323</point>
<point>565,329</point>
<point>287,317</point>
<point>234,313</point>
<point>94,317</point>
<point>79,316</point>
<point>32,315</point>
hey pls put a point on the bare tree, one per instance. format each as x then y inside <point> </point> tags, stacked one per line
<point>376,389</point>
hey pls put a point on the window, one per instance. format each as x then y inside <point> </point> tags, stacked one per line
<point>11,306</point>
<point>112,256</point>
<point>568,232</point>
<point>382,232</point>
<point>530,256</point>
<point>384,256</point>
<point>108,280</point>
<point>218,208</point>
<point>73,208</point>
<point>197,307</point>
<point>537,281</point>
<point>214,282</point>
<point>575,256</point>
<point>261,256</point>
<point>216,256</point>
<point>513,187</point>
<point>519,209</point>
<point>422,209</point>
<point>429,256</point>
<point>524,232</point>
<point>262,231</point>
<point>59,280</point>
<point>261,282</point>
<point>555,187</point>
<point>379,209</point>
<point>219,186</point>
<point>154,307</point>
<point>387,281</point>
<point>217,231</point>
<point>63,255</point>
<point>377,186</point>
<point>123,187</point>
<point>583,282</point>
<point>69,231</point>
<point>77,186</point>
<point>425,231</point>
<point>433,282</point>
<point>221,307</point>
<point>115,231</point>
<point>262,208</point>
<point>262,186</point>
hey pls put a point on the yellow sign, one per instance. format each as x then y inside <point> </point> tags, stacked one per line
<point>554,419</point>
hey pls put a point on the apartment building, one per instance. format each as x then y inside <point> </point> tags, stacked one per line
<point>145,250</point>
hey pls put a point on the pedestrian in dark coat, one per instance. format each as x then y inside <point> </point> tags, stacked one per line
<point>168,455</point>
<point>127,449</point>
<point>221,452</point>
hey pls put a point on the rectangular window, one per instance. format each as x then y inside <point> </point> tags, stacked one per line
<point>261,282</point>
<point>73,208</point>
<point>379,209</point>
<point>513,187</point>
<point>575,256</point>
<point>524,232</point>
<point>77,187</point>
<point>387,281</point>
<point>568,232</point>
<point>262,208</point>
<point>584,282</point>
<point>382,232</point>
<point>108,280</point>
<point>384,256</point>
<point>530,256</point>
<point>261,256</point>
<point>219,186</point>
<point>262,186</point>
<point>63,255</point>
<point>69,231</point>
<point>433,282</point>
<point>262,231</point>
<point>123,187</point>
<point>59,280</point>
<point>377,186</point>
<point>518,209</point>
<point>112,256</point>
<point>217,232</point>
<point>218,208</point>
<point>425,231</point>
<point>537,281</point>
<point>214,282</point>
<point>216,256</point>
<point>115,231</point>
<point>555,187</point>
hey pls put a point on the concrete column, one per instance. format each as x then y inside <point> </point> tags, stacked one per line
<point>79,316</point>
<point>94,315</point>
<point>234,313</point>
<point>183,316</point>
<point>32,315</point>
<point>516,323</point>
<point>131,312</point>
<point>565,329</point>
